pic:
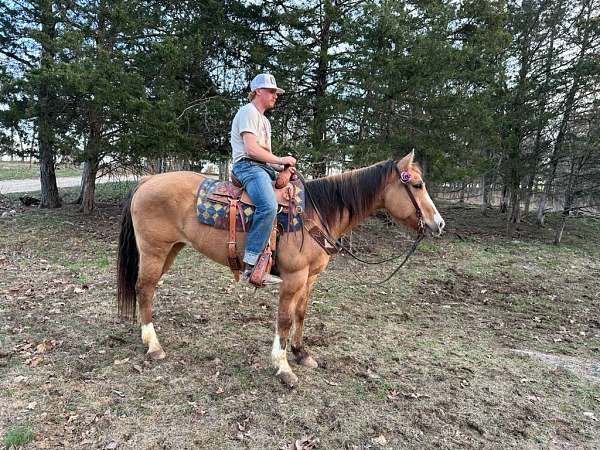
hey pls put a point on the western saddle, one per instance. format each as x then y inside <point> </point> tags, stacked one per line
<point>232,193</point>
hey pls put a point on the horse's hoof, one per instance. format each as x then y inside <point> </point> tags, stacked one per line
<point>288,378</point>
<point>308,361</point>
<point>156,354</point>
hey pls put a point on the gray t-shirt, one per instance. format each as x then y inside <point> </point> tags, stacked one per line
<point>249,119</point>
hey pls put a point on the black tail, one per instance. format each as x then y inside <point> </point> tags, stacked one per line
<point>127,265</point>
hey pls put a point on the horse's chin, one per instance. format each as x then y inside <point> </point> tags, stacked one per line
<point>435,231</point>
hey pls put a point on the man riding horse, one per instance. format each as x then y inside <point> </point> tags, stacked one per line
<point>254,165</point>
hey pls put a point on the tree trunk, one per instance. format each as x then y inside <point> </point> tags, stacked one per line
<point>49,196</point>
<point>529,194</point>
<point>224,170</point>
<point>514,163</point>
<point>515,206</point>
<point>49,190</point>
<point>541,122</point>
<point>88,185</point>
<point>504,199</point>
<point>568,107</point>
<point>93,156</point>
<point>485,194</point>
<point>566,210</point>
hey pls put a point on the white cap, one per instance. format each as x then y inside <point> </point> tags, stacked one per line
<point>264,80</point>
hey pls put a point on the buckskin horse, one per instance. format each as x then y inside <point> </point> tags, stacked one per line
<point>159,219</point>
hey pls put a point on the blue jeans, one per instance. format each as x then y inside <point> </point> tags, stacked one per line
<point>257,181</point>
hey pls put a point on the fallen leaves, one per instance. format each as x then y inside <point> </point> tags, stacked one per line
<point>380,440</point>
<point>32,352</point>
<point>33,362</point>
<point>242,428</point>
<point>45,346</point>
<point>395,395</point>
<point>304,443</point>
<point>118,362</point>
<point>197,410</point>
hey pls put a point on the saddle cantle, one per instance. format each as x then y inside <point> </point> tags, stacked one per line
<point>224,190</point>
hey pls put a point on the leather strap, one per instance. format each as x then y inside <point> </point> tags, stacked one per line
<point>232,257</point>
<point>265,260</point>
<point>322,239</point>
<point>419,213</point>
<point>291,202</point>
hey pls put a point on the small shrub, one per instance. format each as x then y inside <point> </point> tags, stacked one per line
<point>18,436</point>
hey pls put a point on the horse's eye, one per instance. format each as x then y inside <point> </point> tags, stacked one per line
<point>418,186</point>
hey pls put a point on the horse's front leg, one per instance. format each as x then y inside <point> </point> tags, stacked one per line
<point>300,354</point>
<point>291,292</point>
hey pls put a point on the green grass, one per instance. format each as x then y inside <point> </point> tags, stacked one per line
<point>19,171</point>
<point>102,262</point>
<point>428,247</point>
<point>114,191</point>
<point>18,436</point>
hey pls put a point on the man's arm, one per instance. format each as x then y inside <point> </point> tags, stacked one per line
<point>259,153</point>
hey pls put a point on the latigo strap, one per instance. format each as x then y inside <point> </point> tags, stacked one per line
<point>232,257</point>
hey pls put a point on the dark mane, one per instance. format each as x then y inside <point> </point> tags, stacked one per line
<point>353,191</point>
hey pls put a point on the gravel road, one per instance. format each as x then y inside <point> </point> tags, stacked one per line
<point>33,184</point>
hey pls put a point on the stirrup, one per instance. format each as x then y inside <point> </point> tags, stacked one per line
<point>267,279</point>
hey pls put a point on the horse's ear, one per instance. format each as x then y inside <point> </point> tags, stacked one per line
<point>404,163</point>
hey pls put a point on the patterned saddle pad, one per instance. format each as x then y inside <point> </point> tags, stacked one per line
<point>212,205</point>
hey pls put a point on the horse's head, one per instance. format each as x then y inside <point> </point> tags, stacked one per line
<point>405,183</point>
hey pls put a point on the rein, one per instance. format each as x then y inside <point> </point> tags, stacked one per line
<point>404,178</point>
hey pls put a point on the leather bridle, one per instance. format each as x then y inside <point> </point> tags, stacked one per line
<point>404,177</point>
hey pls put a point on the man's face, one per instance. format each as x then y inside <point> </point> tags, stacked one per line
<point>268,96</point>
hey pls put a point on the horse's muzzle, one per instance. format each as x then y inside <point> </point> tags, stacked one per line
<point>437,228</point>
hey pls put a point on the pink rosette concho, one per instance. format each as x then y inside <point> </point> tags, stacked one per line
<point>405,176</point>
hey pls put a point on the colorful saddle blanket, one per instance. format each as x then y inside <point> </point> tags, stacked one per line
<point>212,204</point>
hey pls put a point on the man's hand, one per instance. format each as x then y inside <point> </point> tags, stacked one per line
<point>287,161</point>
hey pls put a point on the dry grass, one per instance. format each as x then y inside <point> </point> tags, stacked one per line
<point>444,356</point>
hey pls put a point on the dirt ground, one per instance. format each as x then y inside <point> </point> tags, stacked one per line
<point>482,342</point>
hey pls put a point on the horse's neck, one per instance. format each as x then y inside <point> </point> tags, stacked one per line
<point>345,225</point>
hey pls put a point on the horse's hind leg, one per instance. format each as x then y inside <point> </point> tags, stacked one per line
<point>153,263</point>
<point>171,256</point>
<point>300,354</point>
